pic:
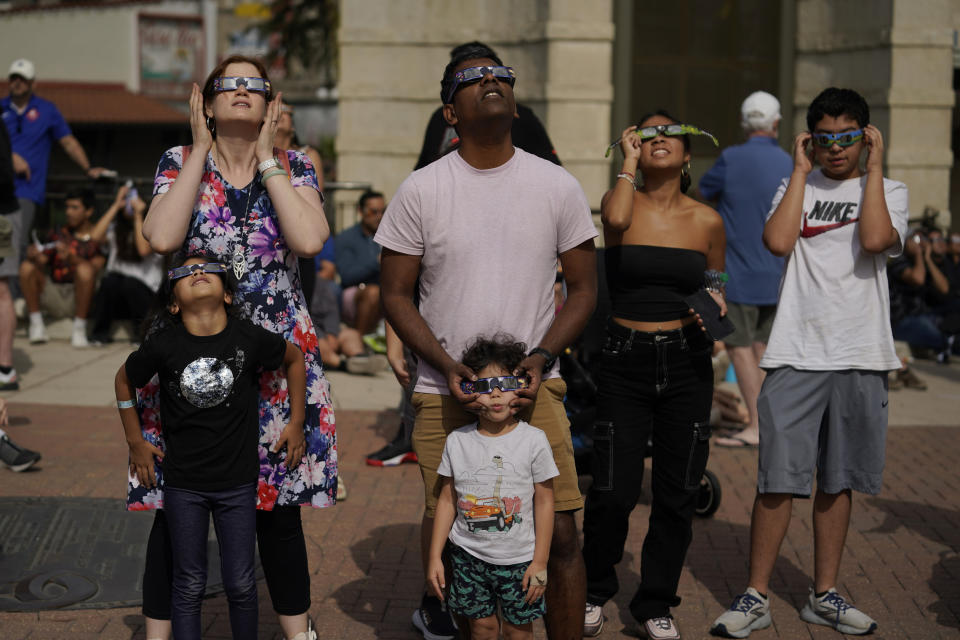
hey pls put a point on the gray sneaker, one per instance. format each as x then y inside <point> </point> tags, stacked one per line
<point>833,611</point>
<point>749,611</point>
<point>592,620</point>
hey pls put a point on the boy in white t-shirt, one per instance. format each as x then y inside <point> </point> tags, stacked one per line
<point>495,503</point>
<point>823,404</point>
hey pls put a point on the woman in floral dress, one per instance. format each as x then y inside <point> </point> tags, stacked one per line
<point>228,194</point>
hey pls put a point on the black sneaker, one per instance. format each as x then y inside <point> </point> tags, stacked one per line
<point>433,620</point>
<point>13,457</point>
<point>9,381</point>
<point>394,453</point>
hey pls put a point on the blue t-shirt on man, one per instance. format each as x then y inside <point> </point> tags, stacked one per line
<point>357,257</point>
<point>32,134</point>
<point>744,179</point>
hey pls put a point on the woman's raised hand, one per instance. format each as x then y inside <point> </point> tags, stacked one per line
<point>202,138</point>
<point>269,129</point>
<point>630,143</point>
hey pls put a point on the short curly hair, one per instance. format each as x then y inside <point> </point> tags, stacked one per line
<point>502,350</point>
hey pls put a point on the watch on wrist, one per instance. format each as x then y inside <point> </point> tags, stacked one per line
<point>268,164</point>
<point>547,356</point>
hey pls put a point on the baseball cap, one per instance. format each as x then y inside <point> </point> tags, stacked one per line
<point>23,67</point>
<point>759,111</point>
<point>6,237</point>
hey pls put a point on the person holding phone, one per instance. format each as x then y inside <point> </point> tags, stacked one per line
<point>133,272</point>
<point>656,375</point>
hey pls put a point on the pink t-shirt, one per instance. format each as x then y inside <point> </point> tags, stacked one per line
<point>490,240</point>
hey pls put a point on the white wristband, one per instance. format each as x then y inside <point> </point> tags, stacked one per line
<point>267,164</point>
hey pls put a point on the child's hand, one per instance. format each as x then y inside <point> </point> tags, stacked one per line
<point>436,579</point>
<point>802,153</point>
<point>141,461</point>
<point>534,582</point>
<point>292,437</point>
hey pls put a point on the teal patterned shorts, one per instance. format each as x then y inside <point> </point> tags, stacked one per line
<point>478,585</point>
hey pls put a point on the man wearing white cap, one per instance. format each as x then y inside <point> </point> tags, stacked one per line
<point>34,124</point>
<point>742,184</point>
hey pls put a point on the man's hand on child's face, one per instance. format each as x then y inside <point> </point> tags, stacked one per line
<point>457,374</point>
<point>531,368</point>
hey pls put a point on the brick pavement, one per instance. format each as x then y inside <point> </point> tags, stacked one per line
<point>901,563</point>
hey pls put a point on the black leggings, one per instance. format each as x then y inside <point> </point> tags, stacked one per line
<point>283,555</point>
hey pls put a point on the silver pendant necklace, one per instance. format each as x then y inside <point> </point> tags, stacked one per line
<point>239,259</point>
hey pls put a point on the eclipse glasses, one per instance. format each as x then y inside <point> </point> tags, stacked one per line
<point>646,133</point>
<point>232,83</point>
<point>475,74</point>
<point>487,385</point>
<point>190,269</point>
<point>844,139</point>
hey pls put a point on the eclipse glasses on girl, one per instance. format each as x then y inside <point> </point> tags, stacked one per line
<point>487,385</point>
<point>475,74</point>
<point>232,83</point>
<point>647,133</point>
<point>844,139</point>
<point>190,269</point>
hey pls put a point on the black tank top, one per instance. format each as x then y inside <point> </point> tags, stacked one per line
<point>648,283</point>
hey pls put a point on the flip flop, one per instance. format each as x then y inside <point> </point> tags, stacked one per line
<point>736,438</point>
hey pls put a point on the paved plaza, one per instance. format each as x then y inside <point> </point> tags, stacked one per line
<point>902,561</point>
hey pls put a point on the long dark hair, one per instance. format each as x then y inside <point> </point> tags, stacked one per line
<point>124,231</point>
<point>685,179</point>
<point>160,316</point>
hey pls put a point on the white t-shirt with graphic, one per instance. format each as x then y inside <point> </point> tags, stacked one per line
<point>834,309</point>
<point>493,478</point>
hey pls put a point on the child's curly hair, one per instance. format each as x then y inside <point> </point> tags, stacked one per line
<point>502,350</point>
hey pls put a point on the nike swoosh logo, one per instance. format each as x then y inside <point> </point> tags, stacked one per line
<point>884,404</point>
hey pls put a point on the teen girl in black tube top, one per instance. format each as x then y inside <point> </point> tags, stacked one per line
<point>656,376</point>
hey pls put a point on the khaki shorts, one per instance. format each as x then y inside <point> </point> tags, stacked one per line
<point>752,323</point>
<point>58,299</point>
<point>438,415</point>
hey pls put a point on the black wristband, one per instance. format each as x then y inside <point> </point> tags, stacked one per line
<point>549,357</point>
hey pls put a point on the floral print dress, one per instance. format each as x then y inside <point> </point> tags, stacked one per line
<point>271,297</point>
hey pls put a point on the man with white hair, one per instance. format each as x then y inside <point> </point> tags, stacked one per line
<point>741,184</point>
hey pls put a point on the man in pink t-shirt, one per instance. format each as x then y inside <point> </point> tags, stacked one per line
<point>484,227</point>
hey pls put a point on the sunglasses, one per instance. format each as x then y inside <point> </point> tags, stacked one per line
<point>190,269</point>
<point>475,74</point>
<point>487,385</point>
<point>844,139</point>
<point>232,83</point>
<point>647,133</point>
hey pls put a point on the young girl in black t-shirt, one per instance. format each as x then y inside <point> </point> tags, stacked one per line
<point>208,363</point>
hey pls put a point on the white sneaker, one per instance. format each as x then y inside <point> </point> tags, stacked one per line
<point>79,339</point>
<point>833,611</point>
<point>662,628</point>
<point>37,332</point>
<point>750,611</point>
<point>592,620</point>
<point>9,381</point>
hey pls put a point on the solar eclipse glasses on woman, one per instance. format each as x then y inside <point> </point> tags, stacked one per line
<point>232,83</point>
<point>475,74</point>
<point>190,269</point>
<point>844,139</point>
<point>487,385</point>
<point>646,133</point>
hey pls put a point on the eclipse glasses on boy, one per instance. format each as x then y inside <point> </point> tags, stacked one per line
<point>190,269</point>
<point>646,133</point>
<point>844,139</point>
<point>487,385</point>
<point>232,83</point>
<point>475,74</point>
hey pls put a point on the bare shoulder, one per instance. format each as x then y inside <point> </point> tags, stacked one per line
<point>705,214</point>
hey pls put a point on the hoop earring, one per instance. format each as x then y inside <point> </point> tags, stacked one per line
<point>212,125</point>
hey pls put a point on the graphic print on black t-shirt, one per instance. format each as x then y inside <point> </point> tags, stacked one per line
<point>206,382</point>
<point>827,216</point>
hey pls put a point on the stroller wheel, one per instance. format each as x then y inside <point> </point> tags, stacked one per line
<point>708,499</point>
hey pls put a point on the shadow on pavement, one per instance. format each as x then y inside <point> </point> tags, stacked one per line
<point>942,527</point>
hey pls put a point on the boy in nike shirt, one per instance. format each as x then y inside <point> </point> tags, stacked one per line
<point>823,404</point>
